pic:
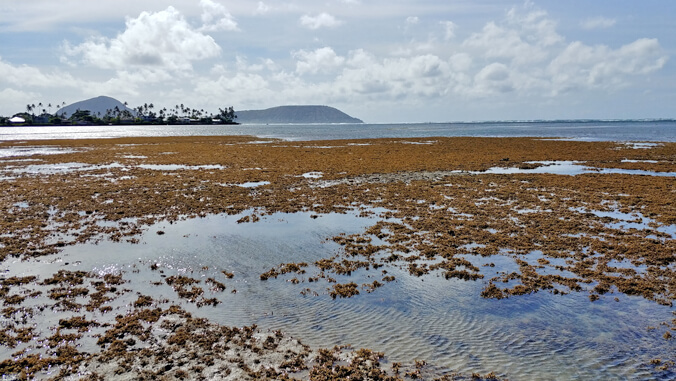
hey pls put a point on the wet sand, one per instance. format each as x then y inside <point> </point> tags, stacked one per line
<point>442,204</point>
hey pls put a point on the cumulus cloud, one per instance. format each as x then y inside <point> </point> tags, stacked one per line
<point>597,23</point>
<point>523,54</point>
<point>216,17</point>
<point>320,60</point>
<point>449,29</point>
<point>262,8</point>
<point>496,41</point>
<point>534,25</point>
<point>582,66</point>
<point>158,43</point>
<point>412,20</point>
<point>22,84</point>
<point>493,78</point>
<point>515,56</point>
<point>322,20</point>
<point>25,76</point>
<point>14,101</point>
<point>523,39</point>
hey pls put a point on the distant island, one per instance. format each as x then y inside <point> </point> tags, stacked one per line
<point>104,110</point>
<point>295,115</point>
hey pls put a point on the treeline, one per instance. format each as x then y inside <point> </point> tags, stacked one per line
<point>144,114</point>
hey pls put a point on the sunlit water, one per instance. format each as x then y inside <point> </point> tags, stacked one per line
<point>445,322</point>
<point>660,130</point>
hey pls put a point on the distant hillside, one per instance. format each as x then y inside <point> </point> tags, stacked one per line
<point>295,114</point>
<point>95,106</point>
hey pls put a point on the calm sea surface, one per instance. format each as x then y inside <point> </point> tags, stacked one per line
<point>664,130</point>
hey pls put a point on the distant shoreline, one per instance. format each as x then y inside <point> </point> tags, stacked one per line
<point>622,131</point>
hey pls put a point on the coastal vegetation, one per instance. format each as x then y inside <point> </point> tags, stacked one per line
<point>41,115</point>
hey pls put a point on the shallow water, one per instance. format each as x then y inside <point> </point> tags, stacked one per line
<point>445,322</point>
<point>572,168</point>
<point>626,130</point>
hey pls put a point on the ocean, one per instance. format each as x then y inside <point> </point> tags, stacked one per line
<point>594,130</point>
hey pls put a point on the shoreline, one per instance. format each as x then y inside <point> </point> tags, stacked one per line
<point>114,189</point>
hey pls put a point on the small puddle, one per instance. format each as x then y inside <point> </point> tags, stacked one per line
<point>571,168</point>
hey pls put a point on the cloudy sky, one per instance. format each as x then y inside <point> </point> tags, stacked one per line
<point>378,60</point>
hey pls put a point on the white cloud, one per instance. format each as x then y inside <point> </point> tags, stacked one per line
<point>243,65</point>
<point>496,41</point>
<point>449,29</point>
<point>262,8</point>
<point>393,78</point>
<point>157,43</point>
<point>320,60</point>
<point>25,76</point>
<point>534,26</point>
<point>523,55</point>
<point>237,85</point>
<point>493,78</point>
<point>523,39</point>
<point>582,66</point>
<point>597,23</point>
<point>360,58</point>
<point>412,20</point>
<point>216,17</point>
<point>15,101</point>
<point>460,62</point>
<point>169,55</point>
<point>322,20</point>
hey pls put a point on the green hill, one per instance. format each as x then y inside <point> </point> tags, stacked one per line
<point>295,115</point>
<point>95,106</point>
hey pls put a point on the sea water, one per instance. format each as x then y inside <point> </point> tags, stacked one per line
<point>632,130</point>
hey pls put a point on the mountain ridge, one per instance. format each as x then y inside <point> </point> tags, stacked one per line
<point>289,114</point>
<point>97,106</point>
<point>295,114</point>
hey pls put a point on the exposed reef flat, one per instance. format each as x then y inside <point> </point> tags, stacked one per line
<point>438,204</point>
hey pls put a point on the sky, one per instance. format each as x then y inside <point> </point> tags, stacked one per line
<point>380,61</point>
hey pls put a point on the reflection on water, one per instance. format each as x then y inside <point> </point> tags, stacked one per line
<point>572,168</point>
<point>637,130</point>
<point>445,322</point>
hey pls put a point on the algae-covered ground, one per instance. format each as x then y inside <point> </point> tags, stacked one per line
<point>593,218</point>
